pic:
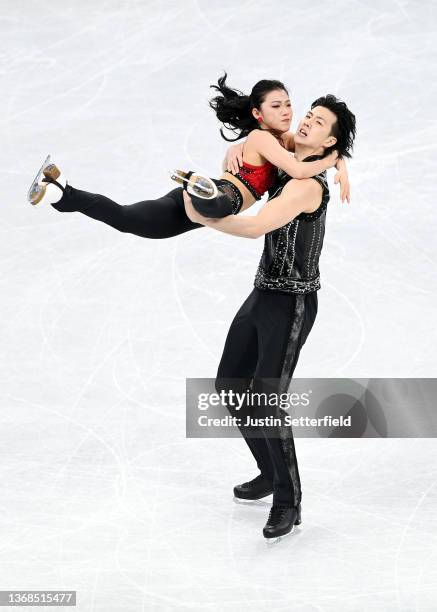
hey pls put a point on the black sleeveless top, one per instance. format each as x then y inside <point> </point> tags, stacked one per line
<point>290,259</point>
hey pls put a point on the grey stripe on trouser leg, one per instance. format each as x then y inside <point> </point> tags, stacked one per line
<point>285,432</point>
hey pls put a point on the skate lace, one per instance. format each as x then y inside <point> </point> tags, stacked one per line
<point>276,514</point>
<point>255,480</point>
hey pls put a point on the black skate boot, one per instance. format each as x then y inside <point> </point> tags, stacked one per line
<point>281,520</point>
<point>254,489</point>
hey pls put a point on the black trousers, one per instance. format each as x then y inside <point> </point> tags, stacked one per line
<point>261,351</point>
<point>160,218</point>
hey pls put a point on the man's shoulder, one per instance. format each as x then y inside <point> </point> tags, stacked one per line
<point>308,186</point>
<point>307,191</point>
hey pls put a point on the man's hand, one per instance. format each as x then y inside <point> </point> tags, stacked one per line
<point>192,213</point>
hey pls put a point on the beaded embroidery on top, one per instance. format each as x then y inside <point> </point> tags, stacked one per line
<point>250,187</point>
<point>232,192</point>
<point>289,262</point>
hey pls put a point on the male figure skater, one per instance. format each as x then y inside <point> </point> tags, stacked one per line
<point>273,323</point>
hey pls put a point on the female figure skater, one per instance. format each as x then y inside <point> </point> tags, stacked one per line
<point>264,116</point>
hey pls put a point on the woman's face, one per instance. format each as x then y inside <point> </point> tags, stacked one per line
<point>276,111</point>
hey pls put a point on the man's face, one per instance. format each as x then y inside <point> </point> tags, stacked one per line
<point>314,130</point>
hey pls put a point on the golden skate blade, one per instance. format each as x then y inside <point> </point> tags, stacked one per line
<point>177,177</point>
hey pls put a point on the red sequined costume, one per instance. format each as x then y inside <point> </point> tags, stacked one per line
<point>258,179</point>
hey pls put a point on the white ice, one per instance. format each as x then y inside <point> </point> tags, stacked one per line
<point>100,490</point>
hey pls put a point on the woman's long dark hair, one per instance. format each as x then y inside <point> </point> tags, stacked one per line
<point>234,109</point>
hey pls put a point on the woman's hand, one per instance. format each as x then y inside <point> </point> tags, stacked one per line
<point>332,158</point>
<point>234,158</point>
<point>342,177</point>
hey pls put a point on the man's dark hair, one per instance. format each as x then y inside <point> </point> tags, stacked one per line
<point>343,129</point>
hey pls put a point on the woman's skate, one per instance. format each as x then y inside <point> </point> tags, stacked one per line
<point>48,185</point>
<point>196,184</point>
<point>211,198</point>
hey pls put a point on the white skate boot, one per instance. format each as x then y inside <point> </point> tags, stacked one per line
<point>196,184</point>
<point>48,185</point>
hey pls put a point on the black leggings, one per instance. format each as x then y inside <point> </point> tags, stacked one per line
<point>161,218</point>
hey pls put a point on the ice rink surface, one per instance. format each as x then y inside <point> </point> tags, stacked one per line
<point>100,491</point>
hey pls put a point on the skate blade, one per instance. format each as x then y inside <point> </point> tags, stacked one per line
<point>178,177</point>
<point>36,180</point>
<point>278,539</point>
<point>261,501</point>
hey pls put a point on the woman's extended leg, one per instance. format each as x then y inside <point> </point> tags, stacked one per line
<point>161,218</point>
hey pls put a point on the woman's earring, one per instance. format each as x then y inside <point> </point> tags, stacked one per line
<point>260,118</point>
